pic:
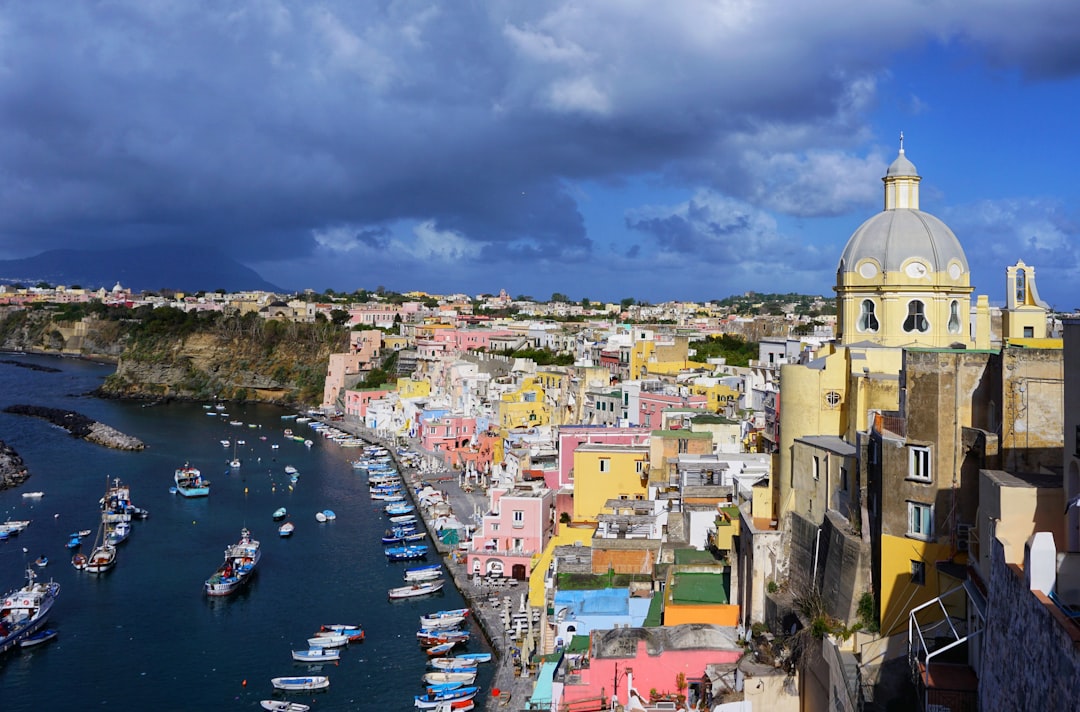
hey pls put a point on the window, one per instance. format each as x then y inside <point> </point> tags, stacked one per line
<point>920,521</point>
<point>919,464</point>
<point>1021,286</point>
<point>1029,332</point>
<point>867,317</point>
<point>916,318</point>
<point>605,464</point>
<point>832,399</point>
<point>518,543</point>
<point>639,466</point>
<point>519,518</point>
<point>843,479</point>
<point>918,573</point>
<point>684,445</point>
<point>954,317</point>
<point>817,467</point>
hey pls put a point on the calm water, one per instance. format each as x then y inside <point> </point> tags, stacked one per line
<point>144,635</point>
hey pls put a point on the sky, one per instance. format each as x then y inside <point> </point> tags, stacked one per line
<point>601,149</point>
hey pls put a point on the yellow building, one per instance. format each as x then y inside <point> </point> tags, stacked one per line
<point>719,395</point>
<point>603,472</point>
<point>525,407</point>
<point>409,388</point>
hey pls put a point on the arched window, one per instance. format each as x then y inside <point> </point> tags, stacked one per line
<point>954,317</point>
<point>916,318</point>
<point>1021,287</point>
<point>867,317</point>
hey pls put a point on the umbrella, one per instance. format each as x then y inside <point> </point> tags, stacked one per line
<point>521,605</point>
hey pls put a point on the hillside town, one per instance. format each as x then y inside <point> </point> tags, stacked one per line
<point>865,516</point>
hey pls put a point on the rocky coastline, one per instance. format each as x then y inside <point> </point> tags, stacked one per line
<point>12,470</point>
<point>80,426</point>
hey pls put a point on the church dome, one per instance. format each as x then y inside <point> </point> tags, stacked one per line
<point>893,237</point>
<point>902,166</point>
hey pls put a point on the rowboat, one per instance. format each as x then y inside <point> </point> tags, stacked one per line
<point>313,682</point>
<point>280,513</point>
<point>418,589</point>
<point>286,529</point>
<point>444,623</point>
<point>433,700</point>
<point>316,655</point>
<point>328,641</point>
<point>465,676</point>
<point>441,649</point>
<point>429,638</point>
<point>462,660</point>
<point>42,636</point>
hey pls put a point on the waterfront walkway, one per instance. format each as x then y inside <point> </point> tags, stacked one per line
<point>488,601</point>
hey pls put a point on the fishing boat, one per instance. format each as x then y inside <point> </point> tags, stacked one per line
<point>286,529</point>
<point>406,553</point>
<point>116,504</point>
<point>102,557</point>
<point>423,573</point>
<point>190,483</point>
<point>417,589</point>
<point>280,514</point>
<point>42,636</point>
<point>443,623</point>
<point>316,655</point>
<point>241,559</point>
<point>312,682</point>
<point>23,611</point>
<point>117,533</point>
<point>464,676</point>
<point>441,649</point>
<point>283,706</point>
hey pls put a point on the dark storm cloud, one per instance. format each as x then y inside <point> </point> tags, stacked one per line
<point>288,130</point>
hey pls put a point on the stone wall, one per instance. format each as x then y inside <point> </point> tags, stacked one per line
<point>1031,651</point>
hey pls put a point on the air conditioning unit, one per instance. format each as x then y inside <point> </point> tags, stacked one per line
<point>962,537</point>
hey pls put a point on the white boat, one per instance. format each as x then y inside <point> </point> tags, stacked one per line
<point>423,573</point>
<point>280,514</point>
<point>290,470</point>
<point>316,655</point>
<point>24,611</point>
<point>33,495</point>
<point>417,589</point>
<point>241,559</point>
<point>117,533</point>
<point>328,641</point>
<point>283,706</point>
<point>286,529</point>
<point>441,623</point>
<point>42,636</point>
<point>466,676</point>
<point>312,682</point>
<point>320,517</point>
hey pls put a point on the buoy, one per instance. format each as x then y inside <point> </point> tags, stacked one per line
<point>244,683</point>
<point>192,521</point>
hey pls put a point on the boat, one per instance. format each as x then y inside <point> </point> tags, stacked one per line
<point>416,589</point>
<point>286,529</point>
<point>283,706</point>
<point>354,635</point>
<point>461,660</point>
<point>23,611</point>
<point>443,623</point>
<point>441,649</point>
<point>42,636</point>
<point>41,561</point>
<point>116,504</point>
<point>406,552</point>
<point>74,542</point>
<point>465,676</point>
<point>403,537</point>
<point>102,557</point>
<point>225,443</point>
<point>190,483</point>
<point>403,519</point>
<point>433,700</point>
<point>241,559</point>
<point>290,470</point>
<point>423,573</point>
<point>474,657</point>
<point>397,509</point>
<point>117,533</point>
<point>280,514</point>
<point>14,526</point>
<point>328,641</point>
<point>316,655</point>
<point>427,639</point>
<point>79,561</point>
<point>312,682</point>
<point>329,514</point>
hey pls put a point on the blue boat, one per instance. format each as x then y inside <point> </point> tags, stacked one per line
<point>406,553</point>
<point>190,483</point>
<point>397,509</point>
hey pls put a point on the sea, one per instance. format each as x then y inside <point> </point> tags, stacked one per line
<point>144,635</point>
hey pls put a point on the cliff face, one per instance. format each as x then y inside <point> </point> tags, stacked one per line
<point>196,357</point>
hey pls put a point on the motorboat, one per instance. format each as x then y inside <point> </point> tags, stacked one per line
<point>42,636</point>
<point>406,553</point>
<point>417,589</point>
<point>280,513</point>
<point>316,655</point>
<point>286,529</point>
<point>117,533</point>
<point>190,483</point>
<point>311,682</point>
<point>283,706</point>
<point>423,573</point>
<point>444,623</point>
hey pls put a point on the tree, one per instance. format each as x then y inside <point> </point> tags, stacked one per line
<point>339,316</point>
<point>627,302</point>
<point>559,297</point>
<point>585,303</point>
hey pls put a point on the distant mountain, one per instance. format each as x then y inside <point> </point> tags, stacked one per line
<point>186,268</point>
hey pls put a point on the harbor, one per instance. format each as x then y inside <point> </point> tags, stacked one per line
<point>497,604</point>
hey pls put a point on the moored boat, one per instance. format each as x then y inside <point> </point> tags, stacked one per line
<point>286,529</point>
<point>418,589</point>
<point>24,611</point>
<point>280,513</point>
<point>423,573</point>
<point>190,483</point>
<point>316,655</point>
<point>241,559</point>
<point>465,676</point>
<point>311,682</point>
<point>283,706</point>
<point>406,553</point>
<point>444,623</point>
<point>328,641</point>
<point>42,636</point>
<point>441,649</point>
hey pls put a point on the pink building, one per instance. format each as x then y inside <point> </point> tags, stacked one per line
<point>653,404</point>
<point>516,528</point>
<point>659,655</point>
<point>356,401</point>
<point>447,433</point>
<point>570,436</point>
<point>364,349</point>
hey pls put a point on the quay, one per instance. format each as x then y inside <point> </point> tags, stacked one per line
<point>487,601</point>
